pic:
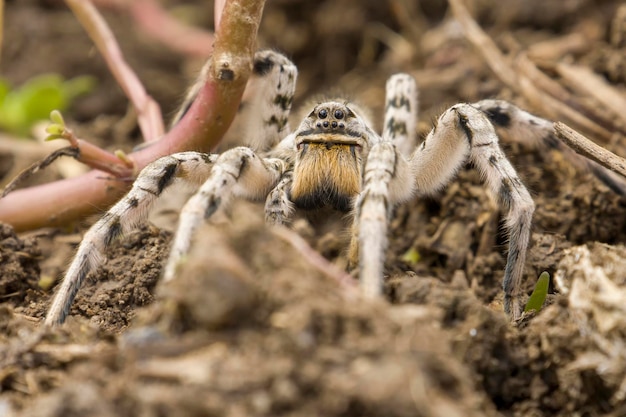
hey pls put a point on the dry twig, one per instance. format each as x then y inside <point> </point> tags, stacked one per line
<point>588,149</point>
<point>148,111</point>
<point>523,77</point>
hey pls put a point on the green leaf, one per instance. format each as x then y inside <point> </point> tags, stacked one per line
<point>54,129</point>
<point>537,298</point>
<point>5,87</point>
<point>78,86</point>
<point>32,102</point>
<point>35,99</point>
<point>57,117</point>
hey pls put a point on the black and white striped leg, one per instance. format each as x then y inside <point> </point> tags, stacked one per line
<point>520,126</point>
<point>192,167</point>
<point>387,181</point>
<point>237,172</point>
<point>401,113</point>
<point>464,132</point>
<point>512,195</point>
<point>265,116</point>
<point>278,207</point>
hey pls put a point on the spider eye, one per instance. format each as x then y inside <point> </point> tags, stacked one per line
<point>322,114</point>
<point>338,114</point>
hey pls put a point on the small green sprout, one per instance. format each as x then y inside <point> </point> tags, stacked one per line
<point>55,129</point>
<point>537,298</point>
<point>411,257</point>
<point>21,107</point>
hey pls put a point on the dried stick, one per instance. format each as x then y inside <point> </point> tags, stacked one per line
<point>148,111</point>
<point>200,129</point>
<point>583,79</point>
<point>588,149</point>
<point>39,165</point>
<point>524,76</point>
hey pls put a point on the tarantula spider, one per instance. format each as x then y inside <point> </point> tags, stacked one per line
<point>333,159</point>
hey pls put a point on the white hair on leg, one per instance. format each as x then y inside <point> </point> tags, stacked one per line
<point>191,167</point>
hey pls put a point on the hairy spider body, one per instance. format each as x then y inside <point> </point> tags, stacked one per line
<point>333,159</point>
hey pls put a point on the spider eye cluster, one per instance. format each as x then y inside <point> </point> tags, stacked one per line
<point>329,118</point>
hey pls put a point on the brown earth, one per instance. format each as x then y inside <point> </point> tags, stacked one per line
<point>254,326</point>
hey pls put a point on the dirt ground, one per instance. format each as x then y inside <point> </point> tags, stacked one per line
<point>255,325</point>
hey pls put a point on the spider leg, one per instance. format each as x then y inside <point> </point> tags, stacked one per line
<point>266,117</point>
<point>401,113</point>
<point>237,172</point>
<point>264,113</point>
<point>463,132</point>
<point>192,167</point>
<point>278,207</point>
<point>387,181</point>
<point>390,178</point>
<point>515,124</point>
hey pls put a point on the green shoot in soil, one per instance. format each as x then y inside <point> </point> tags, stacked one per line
<point>537,298</point>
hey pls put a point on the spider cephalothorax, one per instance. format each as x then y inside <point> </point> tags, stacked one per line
<point>334,159</point>
<point>331,144</point>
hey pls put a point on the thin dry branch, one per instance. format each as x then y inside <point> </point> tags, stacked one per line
<point>523,77</point>
<point>201,129</point>
<point>588,149</point>
<point>39,165</point>
<point>148,111</point>
<point>590,83</point>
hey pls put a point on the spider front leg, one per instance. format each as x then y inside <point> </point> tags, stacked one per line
<point>274,76</point>
<point>387,181</point>
<point>465,133</point>
<point>237,172</point>
<point>191,167</point>
<point>462,133</point>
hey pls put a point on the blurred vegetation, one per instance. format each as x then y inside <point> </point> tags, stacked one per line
<point>23,106</point>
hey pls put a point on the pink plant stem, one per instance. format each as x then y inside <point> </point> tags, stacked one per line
<point>148,111</point>
<point>201,128</point>
<point>159,25</point>
<point>100,159</point>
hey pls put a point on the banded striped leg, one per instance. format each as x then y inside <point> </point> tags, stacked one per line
<point>464,132</point>
<point>512,195</point>
<point>267,114</point>
<point>272,87</point>
<point>278,207</point>
<point>401,113</point>
<point>192,167</point>
<point>386,181</point>
<point>520,126</point>
<point>390,179</point>
<point>237,172</point>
